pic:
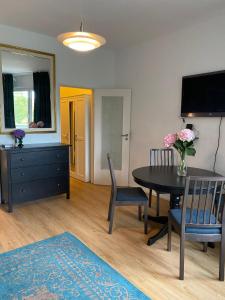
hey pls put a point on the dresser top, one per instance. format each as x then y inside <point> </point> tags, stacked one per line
<point>28,147</point>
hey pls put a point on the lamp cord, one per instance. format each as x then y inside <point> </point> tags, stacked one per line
<point>218,144</point>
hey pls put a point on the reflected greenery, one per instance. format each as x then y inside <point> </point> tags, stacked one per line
<point>21,109</point>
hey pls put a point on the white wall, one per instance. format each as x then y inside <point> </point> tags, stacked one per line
<point>154,71</point>
<point>91,70</point>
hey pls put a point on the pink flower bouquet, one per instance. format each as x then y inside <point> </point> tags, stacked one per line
<point>183,142</point>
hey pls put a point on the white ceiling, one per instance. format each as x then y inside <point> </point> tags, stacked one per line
<point>121,22</point>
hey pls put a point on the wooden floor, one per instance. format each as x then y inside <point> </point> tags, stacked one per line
<point>151,269</point>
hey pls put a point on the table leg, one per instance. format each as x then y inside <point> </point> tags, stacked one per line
<point>159,220</point>
<point>174,203</point>
<point>175,200</point>
<point>163,231</point>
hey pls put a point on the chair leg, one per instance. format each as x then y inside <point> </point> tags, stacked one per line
<point>139,213</point>
<point>110,206</point>
<point>150,198</point>
<point>205,246</point>
<point>157,204</point>
<point>181,277</point>
<point>111,218</point>
<point>146,219</point>
<point>222,258</point>
<point>169,233</point>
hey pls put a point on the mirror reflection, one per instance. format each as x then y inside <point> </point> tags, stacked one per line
<point>27,90</point>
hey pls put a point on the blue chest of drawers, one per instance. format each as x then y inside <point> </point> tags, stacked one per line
<point>33,172</point>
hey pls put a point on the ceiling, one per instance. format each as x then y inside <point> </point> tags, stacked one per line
<point>121,22</point>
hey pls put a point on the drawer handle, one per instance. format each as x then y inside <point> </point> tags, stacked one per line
<point>21,159</point>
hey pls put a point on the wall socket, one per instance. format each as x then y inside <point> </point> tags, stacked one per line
<point>190,126</point>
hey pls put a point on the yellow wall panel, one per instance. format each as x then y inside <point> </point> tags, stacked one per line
<point>70,91</point>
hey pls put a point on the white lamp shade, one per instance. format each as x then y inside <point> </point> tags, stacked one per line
<point>81,41</point>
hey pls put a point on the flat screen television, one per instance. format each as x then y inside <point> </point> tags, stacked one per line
<point>203,95</point>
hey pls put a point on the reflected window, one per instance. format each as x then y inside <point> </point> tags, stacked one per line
<point>23,108</point>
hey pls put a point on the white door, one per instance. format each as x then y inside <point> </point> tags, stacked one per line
<point>82,138</point>
<point>111,134</point>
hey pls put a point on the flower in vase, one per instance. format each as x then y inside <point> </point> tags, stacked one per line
<point>186,135</point>
<point>169,140</point>
<point>183,142</point>
<point>18,133</point>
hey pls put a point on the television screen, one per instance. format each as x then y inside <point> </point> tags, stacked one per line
<point>203,95</point>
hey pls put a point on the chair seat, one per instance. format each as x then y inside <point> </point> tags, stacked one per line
<point>129,194</point>
<point>176,214</point>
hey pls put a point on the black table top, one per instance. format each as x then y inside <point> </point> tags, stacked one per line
<point>165,179</point>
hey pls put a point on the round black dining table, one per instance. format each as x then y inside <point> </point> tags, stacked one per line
<point>165,179</point>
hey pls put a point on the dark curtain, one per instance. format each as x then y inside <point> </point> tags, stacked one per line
<point>7,82</point>
<point>42,102</point>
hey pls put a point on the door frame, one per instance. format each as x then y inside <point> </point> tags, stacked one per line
<point>91,124</point>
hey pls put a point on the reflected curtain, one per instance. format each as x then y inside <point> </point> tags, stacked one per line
<point>42,102</point>
<point>7,82</point>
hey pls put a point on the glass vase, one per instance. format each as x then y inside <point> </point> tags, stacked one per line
<point>16,142</point>
<point>182,166</point>
<point>20,143</point>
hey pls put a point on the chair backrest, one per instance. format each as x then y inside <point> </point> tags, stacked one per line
<point>202,202</point>
<point>162,157</point>
<point>112,173</point>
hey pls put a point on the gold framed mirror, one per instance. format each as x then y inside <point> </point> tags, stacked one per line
<point>27,90</point>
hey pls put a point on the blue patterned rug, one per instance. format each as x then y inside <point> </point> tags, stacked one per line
<point>61,268</point>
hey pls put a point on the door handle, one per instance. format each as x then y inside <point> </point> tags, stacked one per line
<point>125,135</point>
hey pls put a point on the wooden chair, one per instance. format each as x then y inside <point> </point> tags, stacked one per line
<point>160,157</point>
<point>201,218</point>
<point>126,196</point>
